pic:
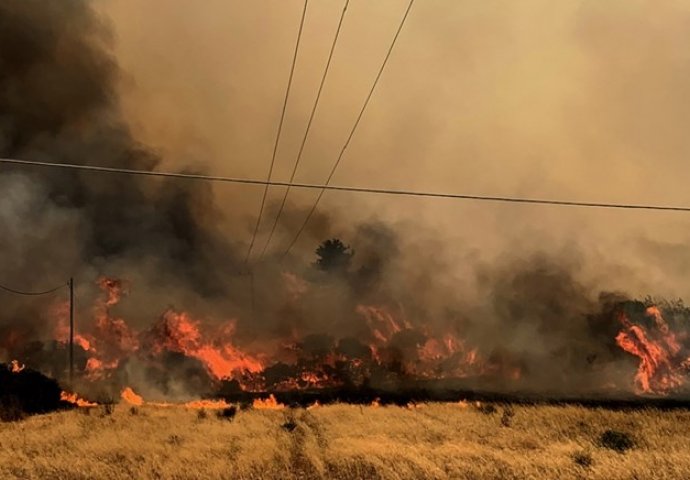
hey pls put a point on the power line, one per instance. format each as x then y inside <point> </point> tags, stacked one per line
<point>280,129</point>
<point>345,188</point>
<point>352,132</point>
<point>33,294</point>
<point>306,133</point>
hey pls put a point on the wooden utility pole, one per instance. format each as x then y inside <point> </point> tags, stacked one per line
<point>71,330</point>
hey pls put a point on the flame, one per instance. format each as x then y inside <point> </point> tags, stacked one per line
<point>660,371</point>
<point>267,404</point>
<point>376,403</point>
<point>114,288</point>
<point>381,322</point>
<point>316,404</point>
<point>16,367</point>
<point>210,404</point>
<point>130,397</point>
<point>74,399</point>
<point>108,342</point>
<point>178,332</point>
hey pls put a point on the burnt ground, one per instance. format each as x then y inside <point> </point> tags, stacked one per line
<point>451,391</point>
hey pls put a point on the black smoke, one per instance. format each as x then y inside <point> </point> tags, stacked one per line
<point>59,103</point>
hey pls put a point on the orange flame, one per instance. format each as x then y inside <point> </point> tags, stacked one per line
<point>267,404</point>
<point>74,399</point>
<point>211,404</point>
<point>659,370</point>
<point>130,397</point>
<point>178,332</point>
<point>16,367</point>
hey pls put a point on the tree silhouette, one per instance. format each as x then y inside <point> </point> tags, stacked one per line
<point>333,256</point>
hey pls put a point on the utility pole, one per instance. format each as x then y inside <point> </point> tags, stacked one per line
<point>71,330</point>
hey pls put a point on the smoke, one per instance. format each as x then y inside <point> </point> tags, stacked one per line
<point>60,103</point>
<point>535,100</point>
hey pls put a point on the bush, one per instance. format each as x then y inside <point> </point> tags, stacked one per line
<point>11,409</point>
<point>507,417</point>
<point>32,391</point>
<point>487,408</point>
<point>133,410</point>
<point>227,413</point>
<point>107,409</point>
<point>201,414</point>
<point>583,458</point>
<point>615,440</point>
<point>290,425</point>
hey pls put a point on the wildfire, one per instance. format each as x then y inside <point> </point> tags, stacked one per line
<point>130,397</point>
<point>661,369</point>
<point>74,399</point>
<point>16,367</point>
<point>381,322</point>
<point>178,332</point>
<point>390,346</point>
<point>269,403</point>
<point>210,404</point>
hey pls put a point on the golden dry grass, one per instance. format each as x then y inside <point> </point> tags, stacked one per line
<point>435,441</point>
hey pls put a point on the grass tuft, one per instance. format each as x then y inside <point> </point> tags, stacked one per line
<point>583,458</point>
<point>227,413</point>
<point>289,425</point>
<point>507,417</point>
<point>487,408</point>
<point>616,440</point>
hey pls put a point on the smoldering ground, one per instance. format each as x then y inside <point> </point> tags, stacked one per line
<point>520,285</point>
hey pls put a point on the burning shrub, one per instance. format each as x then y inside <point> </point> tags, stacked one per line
<point>583,458</point>
<point>615,440</point>
<point>227,413</point>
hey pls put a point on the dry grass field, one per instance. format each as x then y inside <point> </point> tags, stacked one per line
<point>434,441</point>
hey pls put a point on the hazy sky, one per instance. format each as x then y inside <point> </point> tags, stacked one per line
<point>578,100</point>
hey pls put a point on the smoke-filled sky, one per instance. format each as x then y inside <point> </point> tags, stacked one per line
<point>583,100</point>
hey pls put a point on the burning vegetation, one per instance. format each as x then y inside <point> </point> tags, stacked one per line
<point>165,307</point>
<point>211,359</point>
